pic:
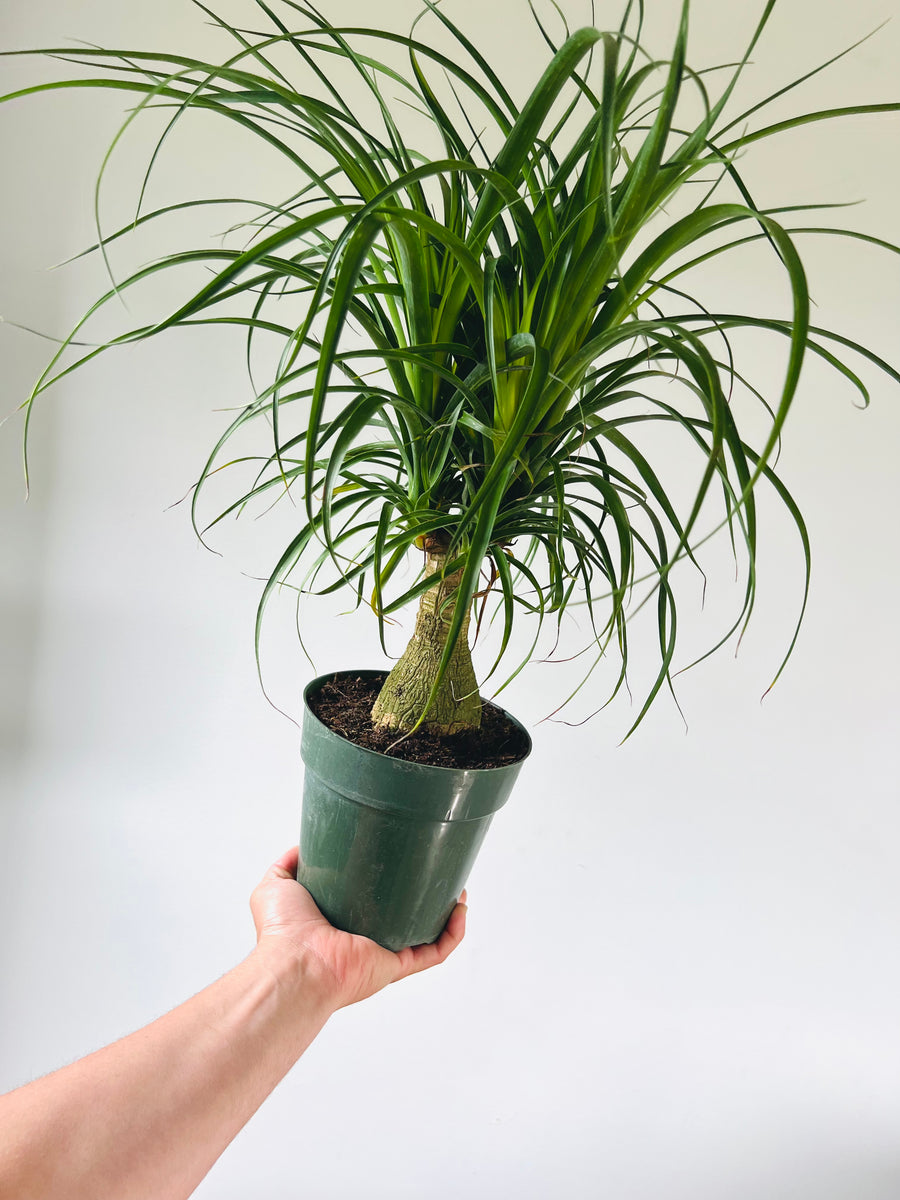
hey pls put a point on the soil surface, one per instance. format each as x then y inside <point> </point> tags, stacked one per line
<point>344,704</point>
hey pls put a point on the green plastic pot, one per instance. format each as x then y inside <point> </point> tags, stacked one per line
<point>386,846</point>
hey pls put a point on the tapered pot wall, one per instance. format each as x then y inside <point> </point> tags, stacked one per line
<point>386,846</point>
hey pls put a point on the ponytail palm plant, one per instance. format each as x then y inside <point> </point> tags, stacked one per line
<point>485,319</point>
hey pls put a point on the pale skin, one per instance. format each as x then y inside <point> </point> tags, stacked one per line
<point>146,1118</point>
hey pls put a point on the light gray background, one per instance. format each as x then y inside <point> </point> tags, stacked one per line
<point>682,977</point>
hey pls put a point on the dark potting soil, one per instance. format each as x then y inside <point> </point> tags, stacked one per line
<point>344,704</point>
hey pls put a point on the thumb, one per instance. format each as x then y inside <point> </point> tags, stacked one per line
<point>284,867</point>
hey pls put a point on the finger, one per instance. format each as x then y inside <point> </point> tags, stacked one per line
<point>284,867</point>
<point>455,929</point>
<point>420,958</point>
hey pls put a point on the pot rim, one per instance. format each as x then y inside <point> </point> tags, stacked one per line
<point>315,684</point>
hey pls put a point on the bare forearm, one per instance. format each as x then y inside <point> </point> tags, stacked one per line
<point>146,1118</point>
<point>149,1115</point>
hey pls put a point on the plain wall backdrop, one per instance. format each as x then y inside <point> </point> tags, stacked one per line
<point>682,976</point>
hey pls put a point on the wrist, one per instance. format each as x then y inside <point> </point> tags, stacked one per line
<point>299,975</point>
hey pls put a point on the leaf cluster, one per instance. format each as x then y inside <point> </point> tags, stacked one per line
<point>480,340</point>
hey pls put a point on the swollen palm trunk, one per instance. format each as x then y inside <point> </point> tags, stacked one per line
<point>404,697</point>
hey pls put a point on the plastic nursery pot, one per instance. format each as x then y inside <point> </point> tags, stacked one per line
<point>386,846</point>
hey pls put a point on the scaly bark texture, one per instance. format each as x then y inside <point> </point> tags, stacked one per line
<point>402,700</point>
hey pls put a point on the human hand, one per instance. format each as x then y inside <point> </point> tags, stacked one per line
<point>290,927</point>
